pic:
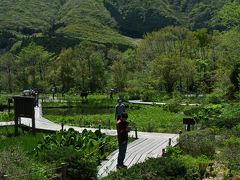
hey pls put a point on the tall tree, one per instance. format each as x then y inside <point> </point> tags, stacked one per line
<point>7,64</point>
<point>33,62</point>
<point>89,66</point>
<point>119,73</point>
<point>170,71</point>
<point>65,70</point>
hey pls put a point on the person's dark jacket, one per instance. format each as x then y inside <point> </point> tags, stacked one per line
<point>122,132</point>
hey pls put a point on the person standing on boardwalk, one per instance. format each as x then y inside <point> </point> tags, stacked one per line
<point>119,109</point>
<point>111,94</point>
<point>122,135</point>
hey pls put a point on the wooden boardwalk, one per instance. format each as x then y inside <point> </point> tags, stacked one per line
<point>148,145</point>
<point>158,103</point>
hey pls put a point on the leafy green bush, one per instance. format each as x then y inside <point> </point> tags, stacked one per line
<point>219,115</point>
<point>172,106</point>
<point>78,164</point>
<point>191,110</point>
<point>198,143</point>
<point>133,93</point>
<point>230,116</point>
<point>166,168</point>
<point>208,115</point>
<point>148,95</point>
<point>230,153</point>
<point>196,166</point>
<point>82,152</point>
<point>213,98</point>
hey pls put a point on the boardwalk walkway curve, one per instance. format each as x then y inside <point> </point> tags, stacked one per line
<point>148,145</point>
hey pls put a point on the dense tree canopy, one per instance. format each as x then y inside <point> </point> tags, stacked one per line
<point>78,46</point>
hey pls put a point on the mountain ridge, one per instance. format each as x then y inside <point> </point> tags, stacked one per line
<point>113,22</point>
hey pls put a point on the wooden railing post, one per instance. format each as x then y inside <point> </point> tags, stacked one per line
<point>5,177</point>
<point>163,152</point>
<point>99,125</point>
<point>64,171</point>
<point>109,124</point>
<point>136,135</point>
<point>62,126</point>
<point>169,141</point>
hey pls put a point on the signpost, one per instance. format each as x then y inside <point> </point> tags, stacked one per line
<point>24,107</point>
<point>188,121</point>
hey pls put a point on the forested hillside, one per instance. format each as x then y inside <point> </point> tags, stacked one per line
<point>99,21</point>
<point>69,21</point>
<point>136,17</point>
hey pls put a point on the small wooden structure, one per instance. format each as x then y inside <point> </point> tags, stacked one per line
<point>24,107</point>
<point>188,121</point>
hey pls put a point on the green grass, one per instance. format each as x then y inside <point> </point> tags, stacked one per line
<point>93,100</point>
<point>145,118</point>
<point>154,118</point>
<point>5,116</point>
<point>26,140</point>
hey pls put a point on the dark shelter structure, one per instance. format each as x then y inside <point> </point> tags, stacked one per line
<point>188,121</point>
<point>24,107</point>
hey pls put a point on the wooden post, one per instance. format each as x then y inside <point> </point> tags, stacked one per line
<point>163,152</point>
<point>5,177</point>
<point>33,122</point>
<point>16,125</point>
<point>169,142</point>
<point>64,171</point>
<point>99,124</point>
<point>136,135</point>
<point>9,102</point>
<point>62,126</point>
<point>109,124</point>
<point>188,127</point>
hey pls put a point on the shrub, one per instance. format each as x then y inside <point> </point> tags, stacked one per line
<point>81,151</point>
<point>230,152</point>
<point>166,168</point>
<point>196,167</point>
<point>172,106</point>
<point>229,117</point>
<point>198,143</point>
<point>215,98</point>
<point>133,93</point>
<point>209,114</point>
<point>78,166</point>
<point>148,95</point>
<point>191,110</point>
